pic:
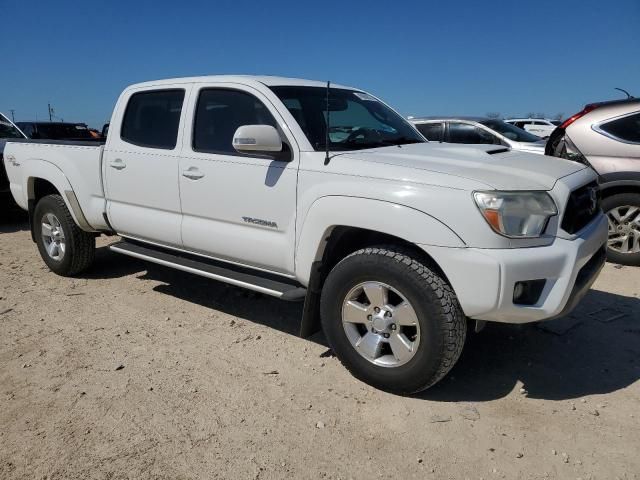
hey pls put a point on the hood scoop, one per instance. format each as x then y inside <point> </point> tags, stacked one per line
<point>498,150</point>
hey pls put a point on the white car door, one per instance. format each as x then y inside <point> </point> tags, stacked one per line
<point>237,207</point>
<point>141,160</point>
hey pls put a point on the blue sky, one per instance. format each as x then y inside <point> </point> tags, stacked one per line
<point>424,58</point>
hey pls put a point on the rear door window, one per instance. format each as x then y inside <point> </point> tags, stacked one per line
<point>432,131</point>
<point>152,119</point>
<point>626,128</point>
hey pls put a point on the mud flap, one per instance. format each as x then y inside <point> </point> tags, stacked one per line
<point>31,208</point>
<point>311,312</point>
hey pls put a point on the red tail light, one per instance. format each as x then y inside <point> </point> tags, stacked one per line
<point>582,113</point>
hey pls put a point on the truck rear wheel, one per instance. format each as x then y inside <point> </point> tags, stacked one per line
<point>64,247</point>
<point>392,321</point>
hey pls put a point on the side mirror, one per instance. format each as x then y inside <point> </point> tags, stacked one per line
<point>257,138</point>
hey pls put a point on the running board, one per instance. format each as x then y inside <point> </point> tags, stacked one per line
<point>263,282</point>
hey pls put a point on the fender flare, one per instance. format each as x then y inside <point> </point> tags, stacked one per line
<point>38,168</point>
<point>619,179</point>
<point>326,213</point>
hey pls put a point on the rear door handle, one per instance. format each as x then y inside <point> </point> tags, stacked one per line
<point>193,173</point>
<point>118,164</point>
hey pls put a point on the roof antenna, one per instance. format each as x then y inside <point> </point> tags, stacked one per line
<point>326,137</point>
<point>624,91</point>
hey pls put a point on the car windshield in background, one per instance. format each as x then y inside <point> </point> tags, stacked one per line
<point>512,133</point>
<point>63,131</point>
<point>557,123</point>
<point>9,131</point>
<point>357,120</point>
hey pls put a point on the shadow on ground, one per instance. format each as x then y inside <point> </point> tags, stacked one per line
<point>13,220</point>
<point>239,302</point>
<point>595,350</point>
<point>109,265</point>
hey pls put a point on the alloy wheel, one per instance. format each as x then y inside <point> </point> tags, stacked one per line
<point>624,229</point>
<point>381,324</point>
<point>53,237</point>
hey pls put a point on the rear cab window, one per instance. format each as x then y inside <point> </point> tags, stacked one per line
<point>152,118</point>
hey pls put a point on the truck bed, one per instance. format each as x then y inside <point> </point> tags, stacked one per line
<point>72,165</point>
<point>83,142</point>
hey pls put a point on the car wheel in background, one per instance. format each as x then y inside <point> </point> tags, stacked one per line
<point>623,214</point>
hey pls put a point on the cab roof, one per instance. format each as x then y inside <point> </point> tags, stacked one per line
<point>269,81</point>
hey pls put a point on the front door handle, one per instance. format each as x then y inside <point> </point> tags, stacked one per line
<point>193,173</point>
<point>118,164</point>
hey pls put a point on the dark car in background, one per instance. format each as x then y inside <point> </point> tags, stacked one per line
<point>7,131</point>
<point>55,130</point>
<point>606,136</point>
<point>477,131</point>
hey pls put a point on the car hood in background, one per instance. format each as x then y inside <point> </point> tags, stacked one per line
<point>533,147</point>
<point>503,169</point>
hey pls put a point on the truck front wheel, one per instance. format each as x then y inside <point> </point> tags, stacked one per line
<point>64,247</point>
<point>392,321</point>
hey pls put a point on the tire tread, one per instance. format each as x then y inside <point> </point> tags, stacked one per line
<point>454,325</point>
<point>82,243</point>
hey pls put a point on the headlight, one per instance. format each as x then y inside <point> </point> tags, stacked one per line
<point>516,214</point>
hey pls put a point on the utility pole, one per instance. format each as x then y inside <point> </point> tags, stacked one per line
<point>50,112</point>
<point>13,118</point>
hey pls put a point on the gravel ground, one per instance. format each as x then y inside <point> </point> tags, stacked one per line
<point>137,371</point>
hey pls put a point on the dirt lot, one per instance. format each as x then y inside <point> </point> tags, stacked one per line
<point>137,371</point>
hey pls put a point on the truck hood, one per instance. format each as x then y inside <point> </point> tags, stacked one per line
<point>491,165</point>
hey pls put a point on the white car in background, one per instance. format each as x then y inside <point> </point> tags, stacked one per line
<point>541,127</point>
<point>478,131</point>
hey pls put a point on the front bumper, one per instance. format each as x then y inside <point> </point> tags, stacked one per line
<point>484,279</point>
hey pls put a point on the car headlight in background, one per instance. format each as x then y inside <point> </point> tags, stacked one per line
<point>516,214</point>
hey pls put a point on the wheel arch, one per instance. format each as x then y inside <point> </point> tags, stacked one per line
<point>336,224</point>
<point>615,188</point>
<point>44,178</point>
<point>335,227</point>
<point>613,183</point>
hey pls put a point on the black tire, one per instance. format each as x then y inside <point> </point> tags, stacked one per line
<point>442,323</point>
<point>621,200</point>
<point>79,245</point>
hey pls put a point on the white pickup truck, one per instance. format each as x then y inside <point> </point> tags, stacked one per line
<point>301,191</point>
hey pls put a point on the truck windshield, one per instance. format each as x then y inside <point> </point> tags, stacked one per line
<point>511,132</point>
<point>7,130</point>
<point>357,120</point>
